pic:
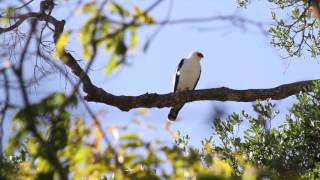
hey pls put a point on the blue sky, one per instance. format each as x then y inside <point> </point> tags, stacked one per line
<point>233,58</point>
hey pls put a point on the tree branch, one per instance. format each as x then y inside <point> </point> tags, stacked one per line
<point>147,100</point>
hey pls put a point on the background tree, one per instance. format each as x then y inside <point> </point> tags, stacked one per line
<point>48,142</point>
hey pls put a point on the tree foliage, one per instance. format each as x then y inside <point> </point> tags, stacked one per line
<point>287,151</point>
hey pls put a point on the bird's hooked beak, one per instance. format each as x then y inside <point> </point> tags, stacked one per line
<point>200,55</point>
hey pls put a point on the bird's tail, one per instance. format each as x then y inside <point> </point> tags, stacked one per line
<point>174,111</point>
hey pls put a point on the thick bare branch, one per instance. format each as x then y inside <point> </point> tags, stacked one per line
<point>147,100</point>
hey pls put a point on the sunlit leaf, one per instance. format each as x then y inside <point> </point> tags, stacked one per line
<point>130,137</point>
<point>4,21</point>
<point>143,17</point>
<point>9,11</point>
<point>43,165</point>
<point>89,8</point>
<point>112,65</point>
<point>221,168</point>
<point>33,146</point>
<point>97,138</point>
<point>87,52</point>
<point>143,112</point>
<point>82,155</point>
<point>133,38</point>
<point>116,8</point>
<point>61,43</point>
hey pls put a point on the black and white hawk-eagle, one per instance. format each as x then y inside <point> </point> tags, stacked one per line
<point>186,78</point>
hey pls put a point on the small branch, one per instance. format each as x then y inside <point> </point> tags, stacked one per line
<point>39,16</point>
<point>232,18</point>
<point>25,4</point>
<point>154,5</point>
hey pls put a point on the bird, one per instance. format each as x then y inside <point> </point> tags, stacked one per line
<point>314,8</point>
<point>186,78</point>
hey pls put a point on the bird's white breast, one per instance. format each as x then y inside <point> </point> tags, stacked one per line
<point>189,73</point>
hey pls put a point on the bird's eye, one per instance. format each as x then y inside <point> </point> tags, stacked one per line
<point>200,54</point>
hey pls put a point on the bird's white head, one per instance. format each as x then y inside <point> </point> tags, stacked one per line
<point>196,55</point>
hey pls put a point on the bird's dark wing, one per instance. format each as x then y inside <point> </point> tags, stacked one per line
<point>176,80</point>
<point>195,84</point>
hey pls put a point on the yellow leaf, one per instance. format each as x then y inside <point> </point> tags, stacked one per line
<point>87,52</point>
<point>10,11</point>
<point>89,8</point>
<point>176,134</point>
<point>221,168</point>
<point>82,155</point>
<point>134,38</point>
<point>137,11</point>
<point>250,172</point>
<point>25,170</point>
<point>112,65</point>
<point>62,41</point>
<point>144,17</point>
<point>43,165</point>
<point>241,158</point>
<point>97,138</point>
<point>4,21</point>
<point>143,111</point>
<point>207,147</point>
<point>25,165</point>
<point>33,146</point>
<point>148,19</point>
<point>116,8</point>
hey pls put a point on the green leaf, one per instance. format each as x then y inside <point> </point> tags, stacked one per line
<point>130,137</point>
<point>43,165</point>
<point>4,21</point>
<point>116,8</point>
<point>82,155</point>
<point>143,17</point>
<point>87,52</point>
<point>10,11</point>
<point>121,48</point>
<point>273,15</point>
<point>295,13</point>
<point>89,8</point>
